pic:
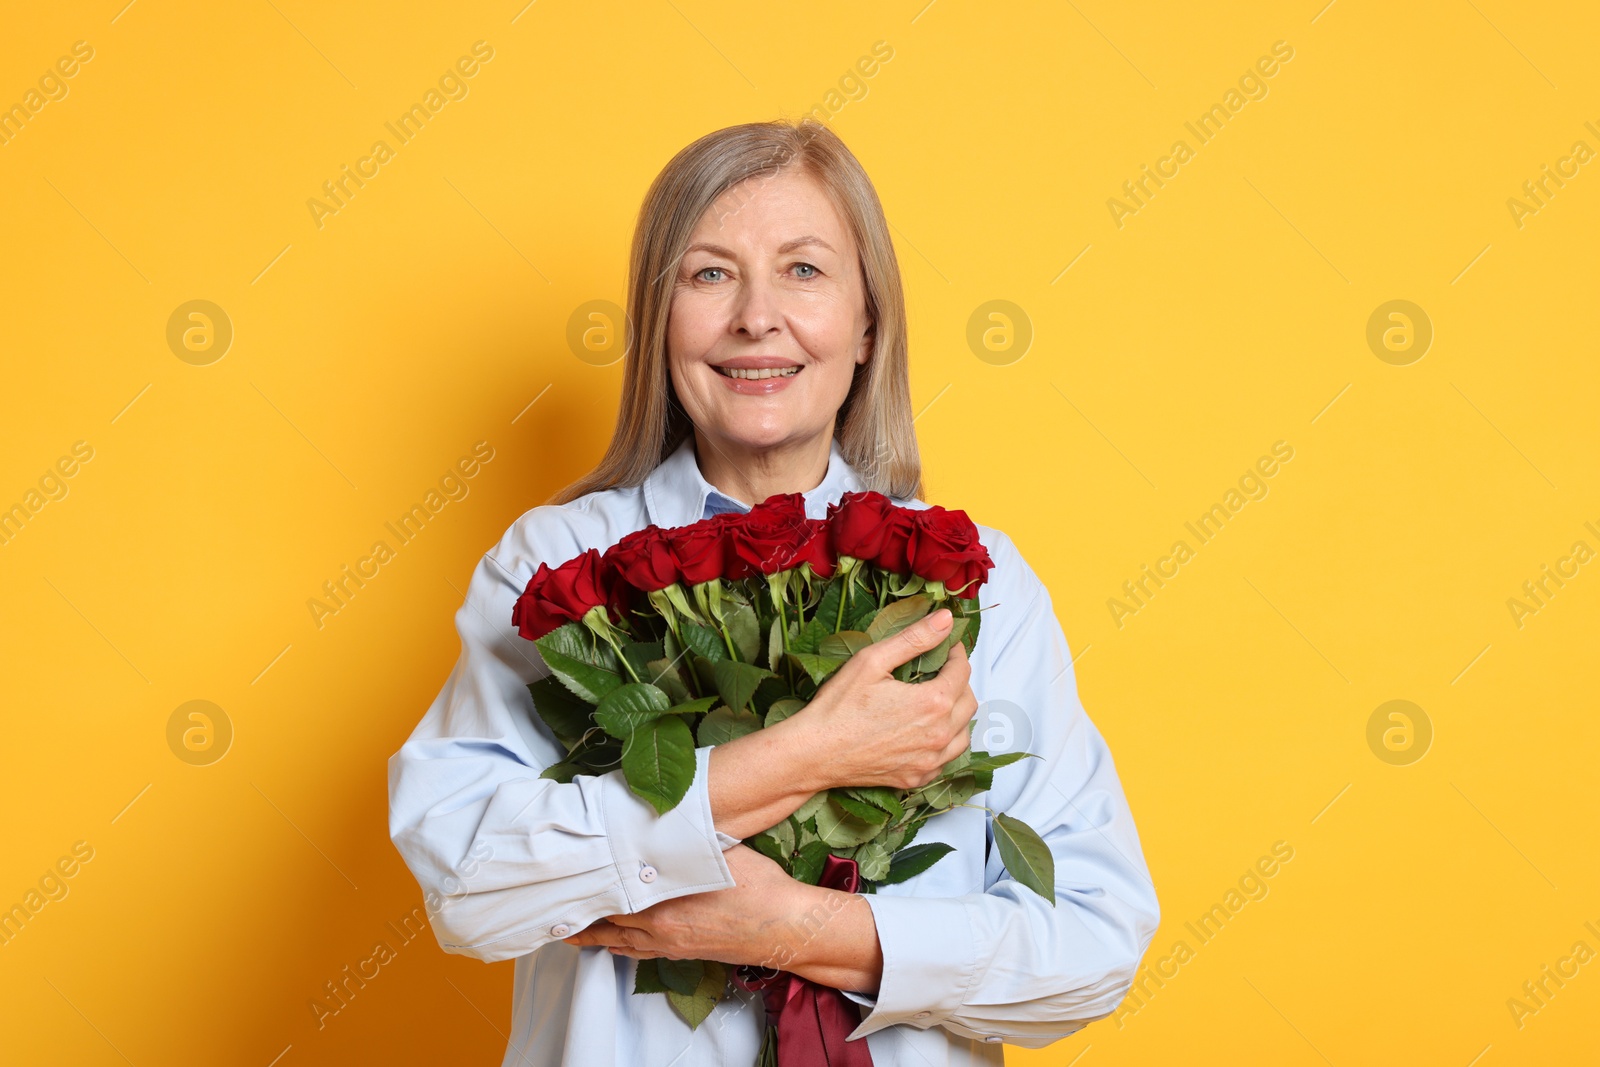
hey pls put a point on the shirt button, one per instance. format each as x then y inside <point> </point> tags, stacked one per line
<point>647,873</point>
<point>561,929</point>
<point>922,1014</point>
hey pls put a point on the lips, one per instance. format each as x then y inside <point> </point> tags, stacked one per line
<point>757,368</point>
<point>758,373</point>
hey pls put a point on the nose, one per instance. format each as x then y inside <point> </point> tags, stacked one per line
<point>757,312</point>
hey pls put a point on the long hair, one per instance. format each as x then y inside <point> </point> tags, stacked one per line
<point>874,425</point>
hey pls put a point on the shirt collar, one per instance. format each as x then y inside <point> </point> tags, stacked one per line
<point>677,494</point>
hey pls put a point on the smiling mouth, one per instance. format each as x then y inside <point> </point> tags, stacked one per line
<point>756,375</point>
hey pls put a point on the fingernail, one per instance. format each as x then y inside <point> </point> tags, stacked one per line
<point>942,617</point>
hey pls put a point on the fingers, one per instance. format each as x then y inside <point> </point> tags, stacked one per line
<point>914,639</point>
<point>954,674</point>
<point>962,711</point>
<point>604,934</point>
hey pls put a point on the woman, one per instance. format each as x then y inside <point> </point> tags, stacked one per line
<point>770,357</point>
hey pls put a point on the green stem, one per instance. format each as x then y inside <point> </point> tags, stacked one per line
<point>626,665</point>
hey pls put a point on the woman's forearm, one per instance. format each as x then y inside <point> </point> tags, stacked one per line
<point>837,941</point>
<point>760,779</point>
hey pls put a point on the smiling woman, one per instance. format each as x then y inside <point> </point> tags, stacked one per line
<point>770,359</point>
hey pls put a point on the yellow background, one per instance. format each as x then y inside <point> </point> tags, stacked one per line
<point>1230,312</point>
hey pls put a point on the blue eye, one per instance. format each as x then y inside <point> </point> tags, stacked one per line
<point>806,266</point>
<point>702,270</point>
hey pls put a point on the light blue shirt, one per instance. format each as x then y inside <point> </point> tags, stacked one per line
<point>511,863</point>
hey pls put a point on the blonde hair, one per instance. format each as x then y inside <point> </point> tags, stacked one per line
<point>874,426</point>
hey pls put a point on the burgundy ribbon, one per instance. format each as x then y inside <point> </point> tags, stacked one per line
<point>812,1020</point>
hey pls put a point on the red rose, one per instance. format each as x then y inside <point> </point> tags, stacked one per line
<point>701,548</point>
<point>565,594</point>
<point>944,547</point>
<point>767,536</point>
<point>644,559</point>
<point>869,526</point>
<point>816,548</point>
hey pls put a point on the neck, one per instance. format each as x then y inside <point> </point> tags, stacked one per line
<point>751,476</point>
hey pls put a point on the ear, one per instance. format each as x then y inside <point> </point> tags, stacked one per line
<point>867,347</point>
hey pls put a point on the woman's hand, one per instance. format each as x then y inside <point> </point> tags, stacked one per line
<point>864,727</point>
<point>767,920</point>
<point>753,922</point>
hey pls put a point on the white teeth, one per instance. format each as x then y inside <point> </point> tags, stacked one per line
<point>754,375</point>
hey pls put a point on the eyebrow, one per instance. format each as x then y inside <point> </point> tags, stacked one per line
<point>787,246</point>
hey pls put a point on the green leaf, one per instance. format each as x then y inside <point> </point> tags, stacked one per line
<point>865,812</point>
<point>774,644</point>
<point>647,979</point>
<point>809,863</point>
<point>628,707</point>
<point>658,761</point>
<point>724,724</point>
<point>860,617</point>
<point>704,640</point>
<point>736,682</point>
<point>912,861</point>
<point>897,615</point>
<point>561,772</point>
<point>948,792</point>
<point>777,842</point>
<point>812,806</point>
<point>841,828</point>
<point>984,759</point>
<point>965,608</point>
<point>1026,856</point>
<point>783,708</point>
<point>704,670</point>
<point>664,673</point>
<point>745,632</point>
<point>589,682</point>
<point>984,765</point>
<point>880,797</point>
<point>844,644</point>
<point>567,716</point>
<point>827,609</point>
<point>930,661</point>
<point>696,1007</point>
<point>575,641</point>
<point>872,860</point>
<point>640,653</point>
<point>818,667</point>
<point>810,634</point>
<point>681,976</point>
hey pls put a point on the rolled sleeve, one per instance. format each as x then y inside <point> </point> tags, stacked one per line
<point>930,960</point>
<point>509,861</point>
<point>1004,964</point>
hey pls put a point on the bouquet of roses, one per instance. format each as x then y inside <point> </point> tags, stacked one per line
<point>697,635</point>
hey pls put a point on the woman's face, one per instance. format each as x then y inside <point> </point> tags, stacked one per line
<point>771,281</point>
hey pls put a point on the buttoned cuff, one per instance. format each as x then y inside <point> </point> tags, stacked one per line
<point>659,857</point>
<point>929,962</point>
